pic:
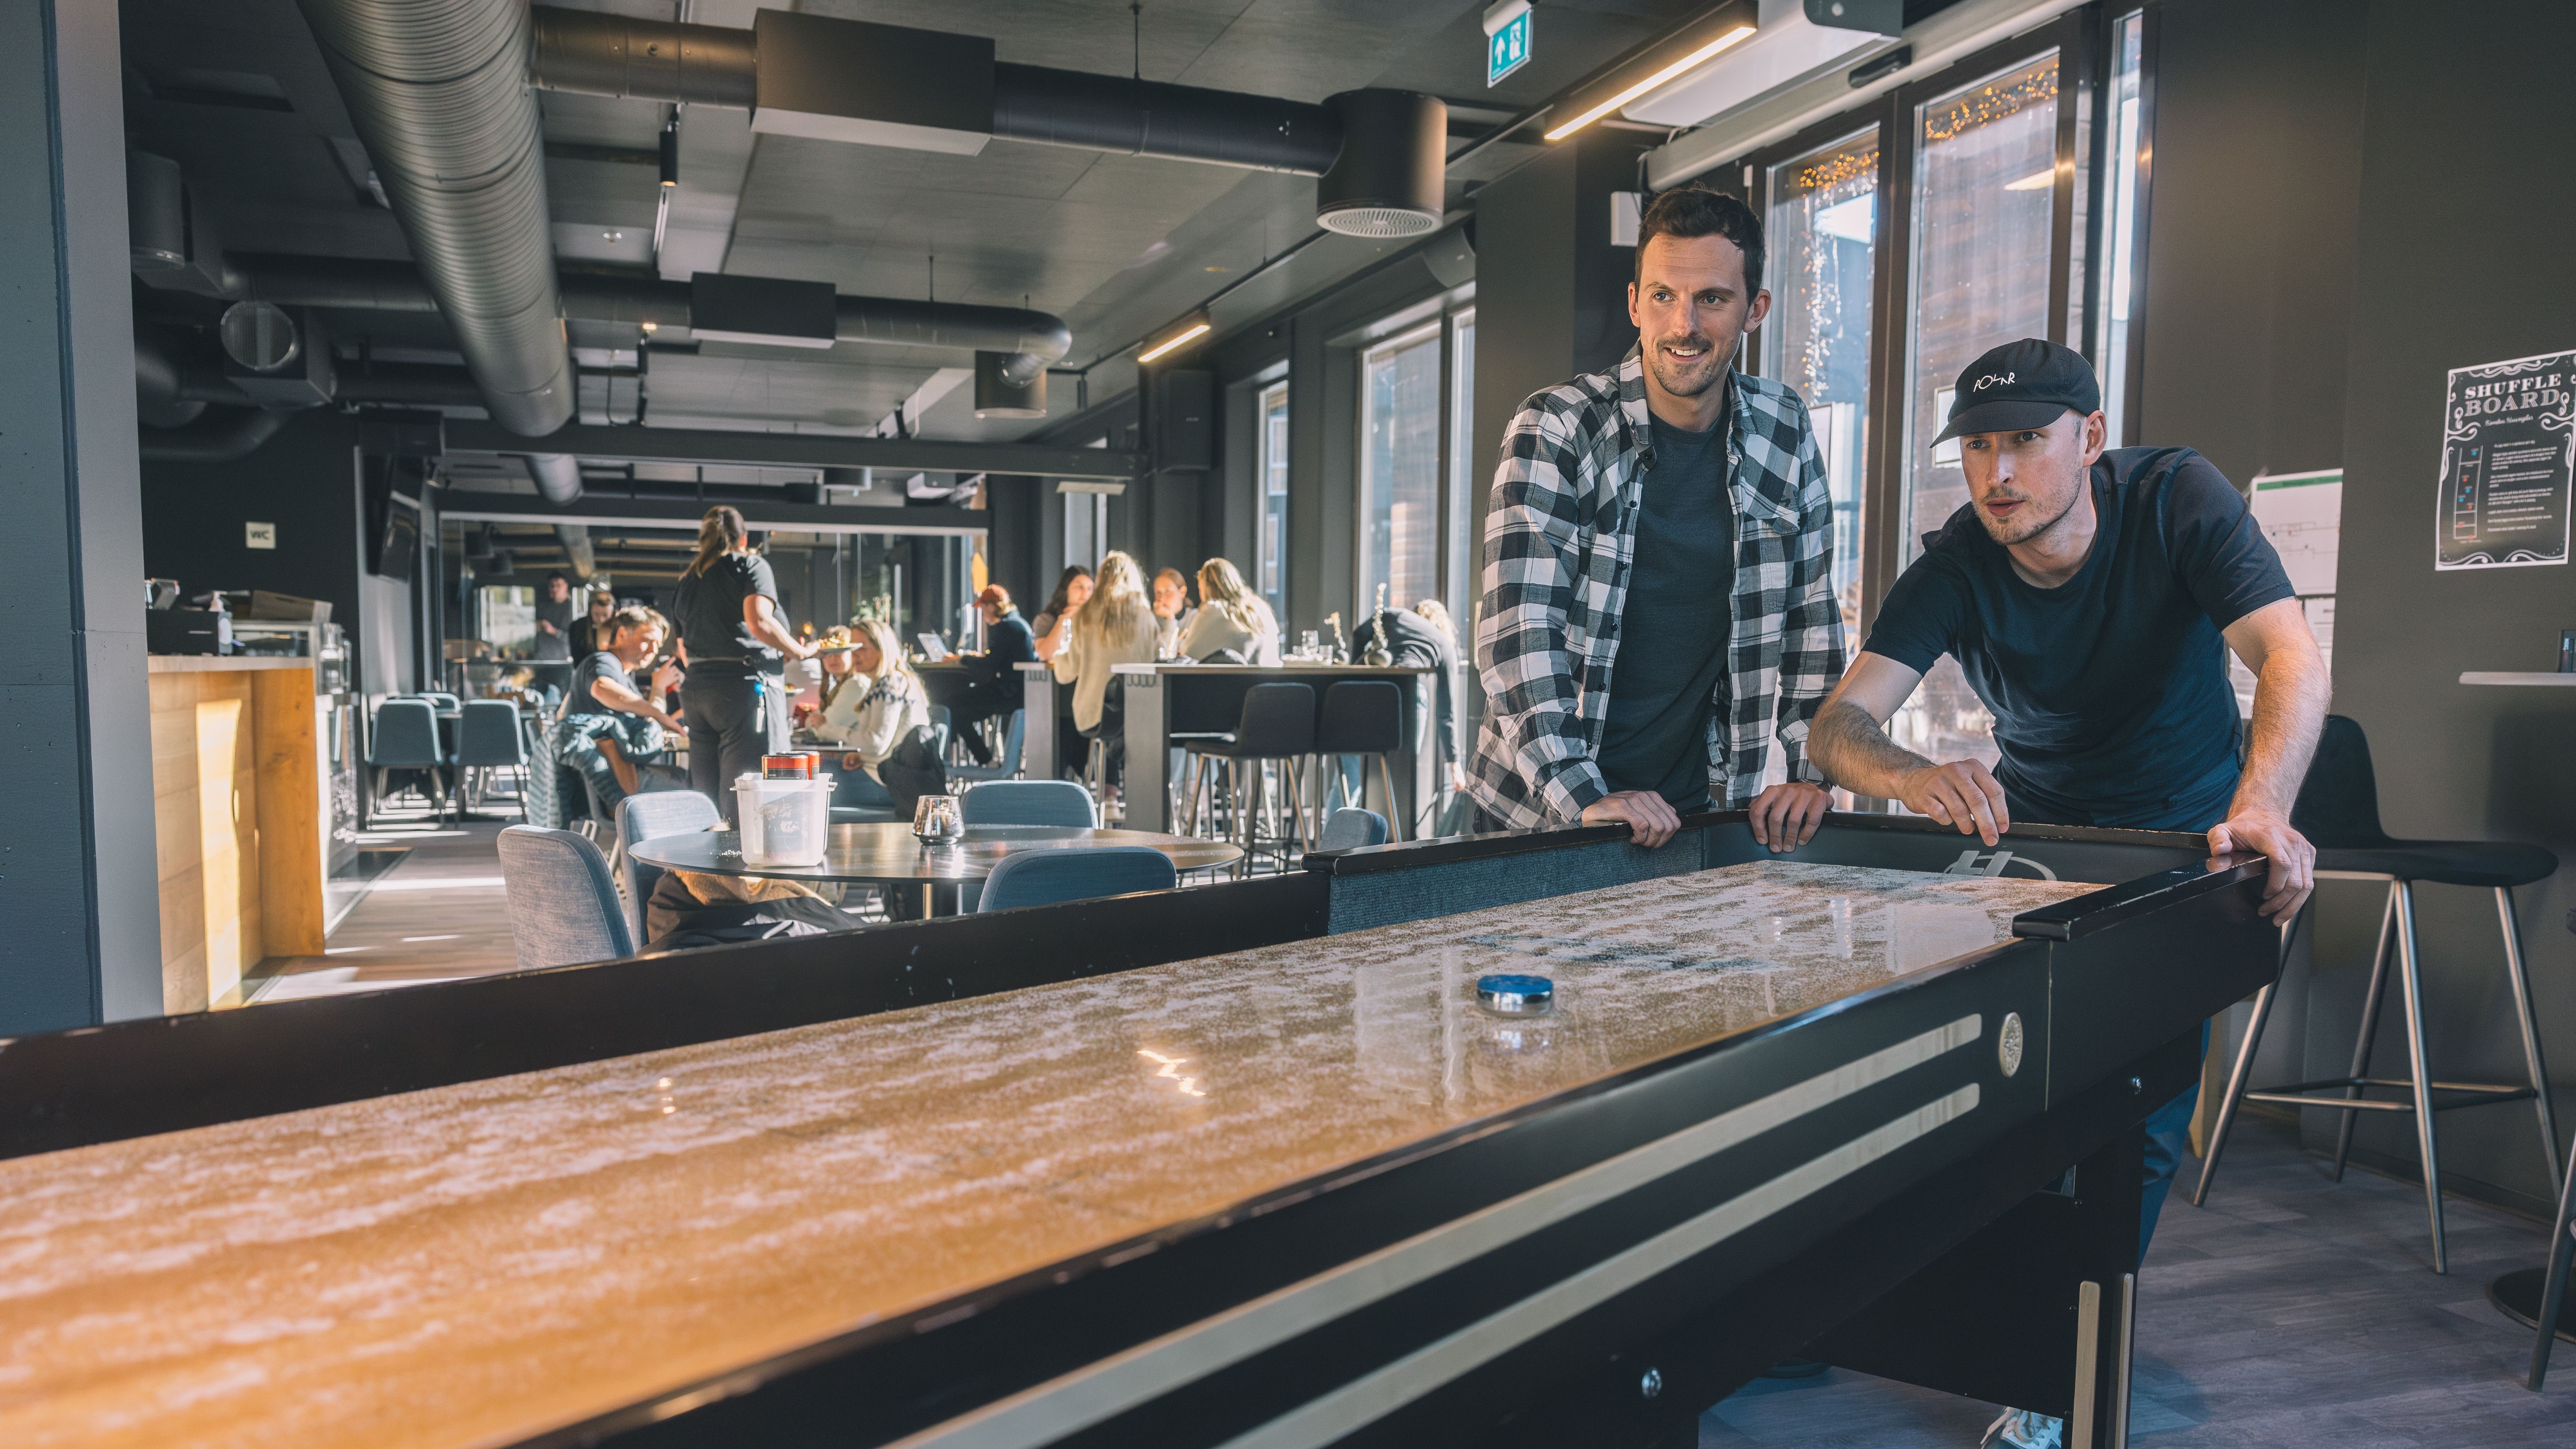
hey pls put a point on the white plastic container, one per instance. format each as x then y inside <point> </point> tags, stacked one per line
<point>784,823</point>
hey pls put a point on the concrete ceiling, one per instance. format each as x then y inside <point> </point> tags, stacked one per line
<point>236,91</point>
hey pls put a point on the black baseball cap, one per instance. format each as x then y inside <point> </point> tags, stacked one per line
<point>2025,384</point>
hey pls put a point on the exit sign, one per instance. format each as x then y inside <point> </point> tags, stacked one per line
<point>1507,39</point>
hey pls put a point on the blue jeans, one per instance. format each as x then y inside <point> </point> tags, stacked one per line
<point>2168,1141</point>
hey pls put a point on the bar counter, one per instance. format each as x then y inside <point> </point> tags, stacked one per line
<point>239,762</point>
<point>482,1263</point>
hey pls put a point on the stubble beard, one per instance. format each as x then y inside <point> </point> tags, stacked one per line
<point>2016,530</point>
<point>1697,378</point>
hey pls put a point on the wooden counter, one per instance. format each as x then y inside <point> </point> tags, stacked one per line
<point>238,819</point>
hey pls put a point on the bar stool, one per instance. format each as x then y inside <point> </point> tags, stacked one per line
<point>1364,717</point>
<point>2338,810</point>
<point>1278,724</point>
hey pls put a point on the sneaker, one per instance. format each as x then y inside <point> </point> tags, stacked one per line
<point>2022,1429</point>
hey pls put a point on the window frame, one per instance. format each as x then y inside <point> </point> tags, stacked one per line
<point>1262,467</point>
<point>2082,39</point>
<point>1437,330</point>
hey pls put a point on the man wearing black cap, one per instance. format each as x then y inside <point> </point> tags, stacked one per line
<point>2090,596</point>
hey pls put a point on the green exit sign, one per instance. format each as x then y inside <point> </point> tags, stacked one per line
<point>1507,39</point>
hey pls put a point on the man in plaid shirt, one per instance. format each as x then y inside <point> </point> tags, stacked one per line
<point>1680,508</point>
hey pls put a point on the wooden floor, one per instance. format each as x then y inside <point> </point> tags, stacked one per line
<point>2291,1312</point>
<point>438,916</point>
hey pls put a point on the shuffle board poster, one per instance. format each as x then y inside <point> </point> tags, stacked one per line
<point>2508,447</point>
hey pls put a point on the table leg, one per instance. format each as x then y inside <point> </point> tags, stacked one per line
<point>1147,786</point>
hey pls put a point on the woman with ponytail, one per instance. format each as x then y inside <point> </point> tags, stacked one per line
<point>736,648</point>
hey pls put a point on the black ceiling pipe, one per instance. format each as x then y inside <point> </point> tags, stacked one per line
<point>1151,118</point>
<point>219,437</point>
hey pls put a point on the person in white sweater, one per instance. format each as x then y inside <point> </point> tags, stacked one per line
<point>1230,616</point>
<point>890,705</point>
<point>1117,626</point>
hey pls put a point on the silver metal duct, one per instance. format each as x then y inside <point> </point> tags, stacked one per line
<point>592,54</point>
<point>575,538</point>
<point>438,91</point>
<point>558,476</point>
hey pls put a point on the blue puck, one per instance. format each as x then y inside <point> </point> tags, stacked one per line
<point>1516,995</point>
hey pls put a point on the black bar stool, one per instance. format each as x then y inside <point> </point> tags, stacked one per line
<point>2338,810</point>
<point>1364,717</point>
<point>1278,723</point>
<point>2553,1282</point>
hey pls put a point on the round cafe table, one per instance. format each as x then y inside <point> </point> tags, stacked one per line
<point>886,854</point>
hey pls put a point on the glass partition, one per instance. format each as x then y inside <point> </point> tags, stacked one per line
<point>1270,550</point>
<point>1400,480</point>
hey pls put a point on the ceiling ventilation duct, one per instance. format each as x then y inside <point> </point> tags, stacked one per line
<point>1795,40</point>
<point>891,85</point>
<point>996,396</point>
<point>438,92</point>
<point>557,476</point>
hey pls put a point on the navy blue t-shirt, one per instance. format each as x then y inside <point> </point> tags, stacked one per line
<point>2110,691</point>
<point>1675,626</point>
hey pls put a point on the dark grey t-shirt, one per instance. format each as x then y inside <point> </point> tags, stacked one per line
<point>593,668</point>
<point>1674,628</point>
<point>709,606</point>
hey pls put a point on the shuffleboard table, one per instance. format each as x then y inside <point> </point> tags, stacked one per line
<point>1251,1165</point>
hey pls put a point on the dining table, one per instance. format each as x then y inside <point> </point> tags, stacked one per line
<point>886,854</point>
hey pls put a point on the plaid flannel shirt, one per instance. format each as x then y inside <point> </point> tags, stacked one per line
<point>1559,539</point>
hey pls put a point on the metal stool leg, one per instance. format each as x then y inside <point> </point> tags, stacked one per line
<point>2361,1045</point>
<point>2236,1079</point>
<point>2530,1034</point>
<point>2553,1288</point>
<point>1397,816</point>
<point>2410,975</point>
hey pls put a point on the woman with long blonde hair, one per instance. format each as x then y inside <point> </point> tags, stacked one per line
<point>1231,616</point>
<point>736,647</point>
<point>1115,626</point>
<point>891,704</point>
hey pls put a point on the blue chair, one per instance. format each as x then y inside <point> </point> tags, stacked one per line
<point>1006,768</point>
<point>488,738</point>
<point>405,737</point>
<point>439,698</point>
<point>1083,873</point>
<point>651,817</point>
<point>1031,802</point>
<point>1352,828</point>
<point>563,905</point>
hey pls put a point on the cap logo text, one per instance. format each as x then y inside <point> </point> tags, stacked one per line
<point>1989,380</point>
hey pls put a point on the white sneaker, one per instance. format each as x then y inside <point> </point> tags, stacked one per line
<point>2022,1429</point>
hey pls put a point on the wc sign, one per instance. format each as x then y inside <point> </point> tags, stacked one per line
<point>1507,38</point>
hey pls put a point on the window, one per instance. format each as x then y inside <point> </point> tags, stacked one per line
<point>1086,528</point>
<point>1270,549</point>
<point>1823,230</point>
<point>1460,593</point>
<point>2120,221</point>
<point>1400,474</point>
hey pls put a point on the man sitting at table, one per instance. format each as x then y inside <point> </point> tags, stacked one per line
<point>994,687</point>
<point>619,737</point>
<point>2091,597</point>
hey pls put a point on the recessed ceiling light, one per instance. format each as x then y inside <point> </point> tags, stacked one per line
<point>1188,329</point>
<point>615,236</point>
<point>1651,82</point>
<point>1212,269</point>
<point>652,327</point>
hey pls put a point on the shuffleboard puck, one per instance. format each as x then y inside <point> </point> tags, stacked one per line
<point>1516,995</point>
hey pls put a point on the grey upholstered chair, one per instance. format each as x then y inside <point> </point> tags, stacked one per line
<point>488,738</point>
<point>406,738</point>
<point>563,907</point>
<point>1030,802</point>
<point>1045,877</point>
<point>1352,828</point>
<point>650,817</point>
<point>1008,766</point>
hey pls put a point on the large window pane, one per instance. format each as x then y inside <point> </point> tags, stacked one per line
<point>2119,223</point>
<point>1400,471</point>
<point>1271,549</point>
<point>1985,171</point>
<point>1824,217</point>
<point>1463,563</point>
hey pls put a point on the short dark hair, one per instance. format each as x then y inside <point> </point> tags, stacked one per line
<point>1695,211</point>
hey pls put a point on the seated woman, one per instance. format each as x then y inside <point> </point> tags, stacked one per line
<point>1116,626</point>
<point>843,686</point>
<point>1230,616</point>
<point>617,736</point>
<point>889,706</point>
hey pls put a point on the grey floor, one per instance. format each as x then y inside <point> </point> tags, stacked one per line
<point>2291,1311</point>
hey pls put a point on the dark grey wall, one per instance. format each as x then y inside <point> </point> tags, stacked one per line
<point>76,855</point>
<point>2348,201</point>
<point>2468,193</point>
<point>303,480</point>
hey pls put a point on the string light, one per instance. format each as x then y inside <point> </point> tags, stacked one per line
<point>1992,102</point>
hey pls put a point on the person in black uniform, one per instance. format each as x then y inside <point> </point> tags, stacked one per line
<point>735,647</point>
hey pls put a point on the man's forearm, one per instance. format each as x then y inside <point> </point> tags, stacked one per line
<point>2289,711</point>
<point>1855,753</point>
